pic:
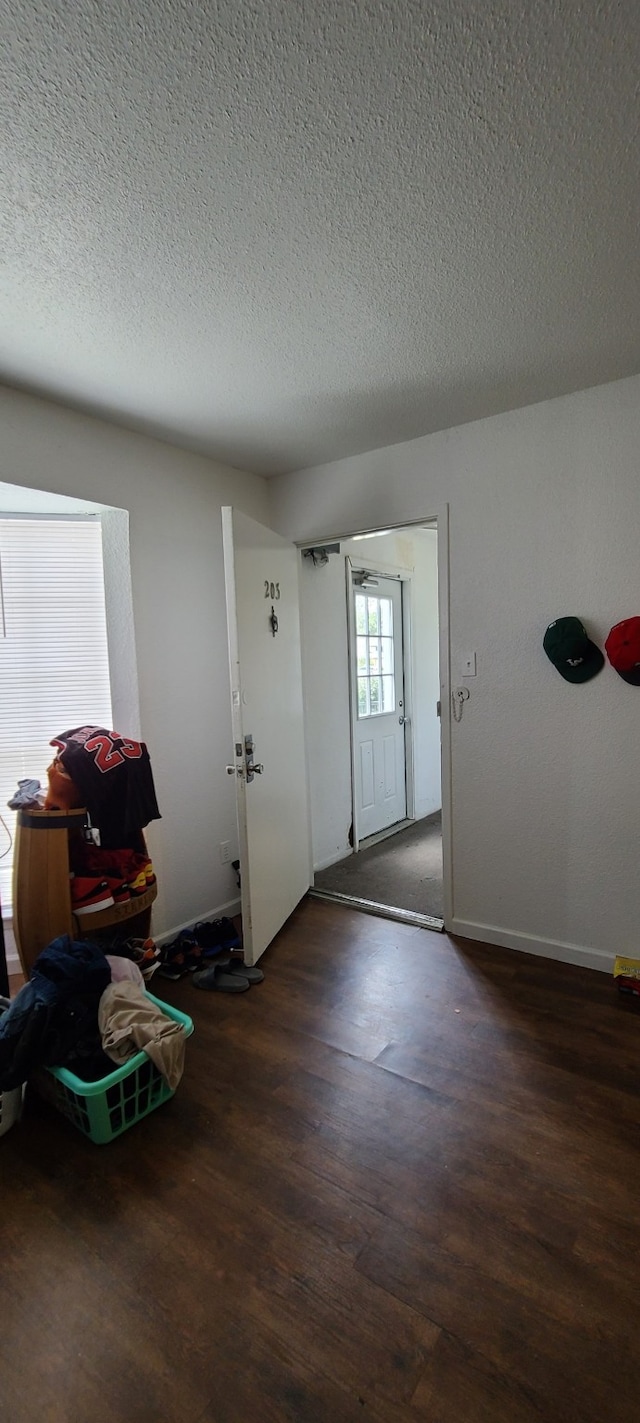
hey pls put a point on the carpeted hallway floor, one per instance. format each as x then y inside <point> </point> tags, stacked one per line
<point>404,871</point>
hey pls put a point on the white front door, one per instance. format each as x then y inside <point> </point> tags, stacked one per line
<point>378,704</point>
<point>268,764</point>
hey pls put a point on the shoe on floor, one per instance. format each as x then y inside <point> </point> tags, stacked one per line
<point>252,975</point>
<point>218,979</point>
<point>182,955</point>
<point>214,934</point>
<point>89,895</point>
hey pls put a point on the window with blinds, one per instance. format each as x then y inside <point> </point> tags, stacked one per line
<point>54,665</point>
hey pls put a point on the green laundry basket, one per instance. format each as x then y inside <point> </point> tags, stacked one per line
<point>104,1109</point>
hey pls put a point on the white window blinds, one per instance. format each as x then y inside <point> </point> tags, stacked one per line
<point>54,667</point>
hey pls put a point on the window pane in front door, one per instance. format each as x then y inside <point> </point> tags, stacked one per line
<point>375,655</point>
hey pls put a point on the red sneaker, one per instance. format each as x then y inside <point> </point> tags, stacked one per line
<point>118,889</point>
<point>89,896</point>
<point>143,875</point>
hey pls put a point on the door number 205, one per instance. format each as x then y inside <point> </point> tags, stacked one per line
<point>271,590</point>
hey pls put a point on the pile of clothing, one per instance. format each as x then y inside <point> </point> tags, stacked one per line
<point>86,1010</point>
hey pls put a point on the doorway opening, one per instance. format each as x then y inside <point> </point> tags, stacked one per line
<point>374,615</point>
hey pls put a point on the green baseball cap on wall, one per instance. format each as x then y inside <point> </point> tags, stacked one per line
<point>570,649</point>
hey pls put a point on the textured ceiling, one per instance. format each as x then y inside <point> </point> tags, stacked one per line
<point>284,232</point>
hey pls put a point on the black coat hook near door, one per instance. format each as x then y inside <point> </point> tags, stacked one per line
<point>273,620</point>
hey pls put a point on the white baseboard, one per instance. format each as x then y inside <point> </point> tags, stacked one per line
<point>223,910</point>
<point>332,859</point>
<point>599,959</point>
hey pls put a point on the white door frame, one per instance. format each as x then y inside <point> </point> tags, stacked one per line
<point>403,578</point>
<point>439,516</point>
<point>407,652</point>
<point>442,526</point>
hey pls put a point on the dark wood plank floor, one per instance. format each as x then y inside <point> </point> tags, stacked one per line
<point>399,1181</point>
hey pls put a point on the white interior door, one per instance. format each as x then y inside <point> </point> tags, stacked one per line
<point>261,579</point>
<point>378,703</point>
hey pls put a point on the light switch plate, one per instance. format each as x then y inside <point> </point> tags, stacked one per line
<point>469,665</point>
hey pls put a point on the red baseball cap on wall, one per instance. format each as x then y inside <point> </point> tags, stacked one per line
<point>623,650</point>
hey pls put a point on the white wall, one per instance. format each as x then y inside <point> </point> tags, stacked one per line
<point>323,611</point>
<point>544,521</point>
<point>173,499</point>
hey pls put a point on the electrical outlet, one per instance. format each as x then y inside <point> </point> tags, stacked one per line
<point>225,852</point>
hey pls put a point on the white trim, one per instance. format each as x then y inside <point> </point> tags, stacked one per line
<point>403,577</point>
<point>359,531</point>
<point>351,644</point>
<point>307,765</point>
<point>229,563</point>
<point>408,670</point>
<point>121,642</point>
<point>444,659</point>
<point>78,517</point>
<point>600,959</point>
<point>222,911</point>
<point>388,831</point>
<point>440,519</point>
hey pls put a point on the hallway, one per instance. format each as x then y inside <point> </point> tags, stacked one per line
<point>403,871</point>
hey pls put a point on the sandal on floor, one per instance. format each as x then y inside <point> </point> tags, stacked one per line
<point>242,970</point>
<point>219,979</point>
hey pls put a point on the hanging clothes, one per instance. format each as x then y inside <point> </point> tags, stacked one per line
<point>113,778</point>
